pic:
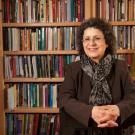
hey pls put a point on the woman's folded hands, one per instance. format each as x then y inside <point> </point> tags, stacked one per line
<point>106,115</point>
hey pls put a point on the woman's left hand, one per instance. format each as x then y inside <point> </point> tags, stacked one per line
<point>111,113</point>
<point>109,123</point>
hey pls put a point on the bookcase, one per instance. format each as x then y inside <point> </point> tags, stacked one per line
<point>19,29</point>
<point>29,26</point>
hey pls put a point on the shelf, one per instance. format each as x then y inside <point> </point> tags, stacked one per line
<point>124,51</point>
<point>74,52</point>
<point>60,24</point>
<point>32,110</point>
<point>40,52</point>
<point>123,23</point>
<point>57,24</point>
<point>25,80</point>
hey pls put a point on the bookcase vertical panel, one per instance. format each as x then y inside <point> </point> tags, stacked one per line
<point>2,125</point>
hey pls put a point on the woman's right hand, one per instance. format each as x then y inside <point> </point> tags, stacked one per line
<point>109,123</point>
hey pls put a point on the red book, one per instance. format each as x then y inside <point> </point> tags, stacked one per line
<point>35,125</point>
<point>60,66</point>
<point>79,12</point>
<point>103,10</point>
<point>7,11</point>
<point>13,66</point>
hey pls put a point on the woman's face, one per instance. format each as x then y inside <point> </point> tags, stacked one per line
<point>94,44</point>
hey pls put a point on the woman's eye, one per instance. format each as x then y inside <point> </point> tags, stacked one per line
<point>97,38</point>
<point>87,39</point>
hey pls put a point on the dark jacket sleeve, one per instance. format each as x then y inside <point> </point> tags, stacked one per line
<point>67,98</point>
<point>127,104</point>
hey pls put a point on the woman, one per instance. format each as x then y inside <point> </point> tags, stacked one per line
<point>97,96</point>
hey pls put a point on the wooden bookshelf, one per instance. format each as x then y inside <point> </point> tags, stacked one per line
<point>32,110</point>
<point>53,24</point>
<point>59,52</point>
<point>21,79</point>
<point>89,12</point>
<point>34,25</point>
<point>63,24</point>
<point>125,51</point>
<point>2,114</point>
<point>122,23</point>
<point>40,52</point>
<point>34,80</point>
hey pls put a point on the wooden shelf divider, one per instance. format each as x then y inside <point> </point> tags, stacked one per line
<point>24,80</point>
<point>32,110</point>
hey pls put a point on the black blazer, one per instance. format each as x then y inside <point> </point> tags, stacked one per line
<point>74,94</point>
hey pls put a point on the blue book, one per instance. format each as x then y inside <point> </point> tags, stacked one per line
<point>10,124</point>
<point>51,95</point>
<point>42,36</point>
<point>67,45</point>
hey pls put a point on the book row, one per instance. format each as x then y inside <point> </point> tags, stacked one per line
<point>124,37</point>
<point>32,124</point>
<point>44,38</point>
<point>116,10</point>
<point>31,95</point>
<point>43,10</point>
<point>58,38</point>
<point>46,66</point>
<point>36,66</point>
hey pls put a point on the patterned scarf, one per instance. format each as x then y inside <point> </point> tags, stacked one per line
<point>100,93</point>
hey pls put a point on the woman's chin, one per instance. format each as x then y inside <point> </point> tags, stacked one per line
<point>94,56</point>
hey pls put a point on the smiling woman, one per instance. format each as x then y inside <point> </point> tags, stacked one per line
<point>97,96</point>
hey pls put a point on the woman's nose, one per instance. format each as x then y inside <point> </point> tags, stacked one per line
<point>91,42</point>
